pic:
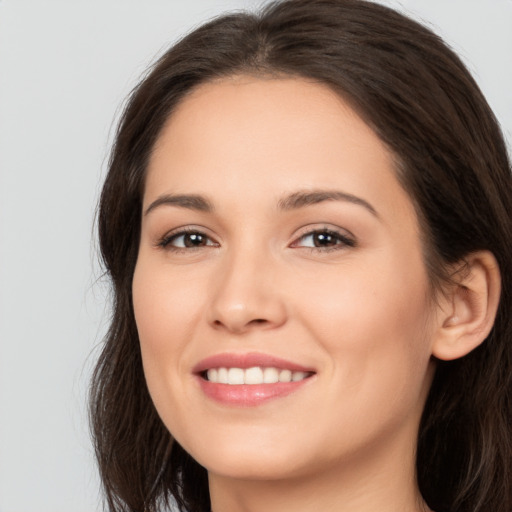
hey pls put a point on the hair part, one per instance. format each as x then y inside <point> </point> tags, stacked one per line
<point>418,97</point>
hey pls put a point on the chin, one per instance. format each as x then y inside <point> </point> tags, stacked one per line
<point>248,457</point>
<point>253,466</point>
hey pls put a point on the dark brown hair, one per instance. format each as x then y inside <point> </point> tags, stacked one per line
<point>450,156</point>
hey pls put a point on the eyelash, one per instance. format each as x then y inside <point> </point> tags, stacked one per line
<point>341,240</point>
<point>165,242</point>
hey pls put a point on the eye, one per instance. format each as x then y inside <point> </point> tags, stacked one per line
<point>327,239</point>
<point>186,239</point>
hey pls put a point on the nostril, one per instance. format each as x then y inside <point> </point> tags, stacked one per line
<point>257,321</point>
<point>235,326</point>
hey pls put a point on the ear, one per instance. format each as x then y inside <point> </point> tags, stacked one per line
<point>468,309</point>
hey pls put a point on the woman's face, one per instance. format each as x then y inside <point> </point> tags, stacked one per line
<point>280,294</point>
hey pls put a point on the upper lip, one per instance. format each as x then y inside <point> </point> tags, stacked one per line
<point>247,360</point>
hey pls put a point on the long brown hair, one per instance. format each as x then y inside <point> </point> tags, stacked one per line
<point>450,156</point>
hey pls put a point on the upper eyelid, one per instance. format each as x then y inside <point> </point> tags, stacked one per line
<point>347,239</point>
<point>300,233</point>
<point>188,229</point>
<point>166,239</point>
<point>318,228</point>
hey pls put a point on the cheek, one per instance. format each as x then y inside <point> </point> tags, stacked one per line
<point>381,295</point>
<point>165,314</point>
<point>373,321</point>
<point>164,310</point>
<point>372,325</point>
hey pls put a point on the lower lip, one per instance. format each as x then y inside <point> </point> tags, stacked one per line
<point>248,395</point>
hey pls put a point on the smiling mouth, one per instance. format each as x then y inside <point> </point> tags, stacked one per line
<point>250,379</point>
<point>253,376</point>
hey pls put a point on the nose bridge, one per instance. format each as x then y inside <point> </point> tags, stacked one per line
<point>245,293</point>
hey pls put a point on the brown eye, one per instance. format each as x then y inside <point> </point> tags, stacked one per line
<point>324,239</point>
<point>186,240</point>
<point>193,240</point>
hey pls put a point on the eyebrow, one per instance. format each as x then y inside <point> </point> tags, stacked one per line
<point>305,198</point>
<point>300,199</point>
<point>189,201</point>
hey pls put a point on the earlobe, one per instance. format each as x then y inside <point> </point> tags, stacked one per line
<point>469,307</point>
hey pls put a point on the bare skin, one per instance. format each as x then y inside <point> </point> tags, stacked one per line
<point>274,224</point>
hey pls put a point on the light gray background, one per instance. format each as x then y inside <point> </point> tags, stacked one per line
<point>65,67</point>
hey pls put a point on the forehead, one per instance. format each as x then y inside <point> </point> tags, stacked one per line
<point>238,136</point>
<point>277,113</point>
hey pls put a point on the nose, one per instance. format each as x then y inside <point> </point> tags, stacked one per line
<point>247,294</point>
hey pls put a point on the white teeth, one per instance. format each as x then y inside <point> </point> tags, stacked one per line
<point>222,376</point>
<point>254,375</point>
<point>235,376</point>
<point>285,376</point>
<point>212,375</point>
<point>270,375</point>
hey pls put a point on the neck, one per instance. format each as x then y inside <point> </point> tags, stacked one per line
<point>385,482</point>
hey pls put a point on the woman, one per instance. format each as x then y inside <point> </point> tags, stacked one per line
<point>306,226</point>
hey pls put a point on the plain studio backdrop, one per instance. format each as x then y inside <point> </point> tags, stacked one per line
<point>65,68</point>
